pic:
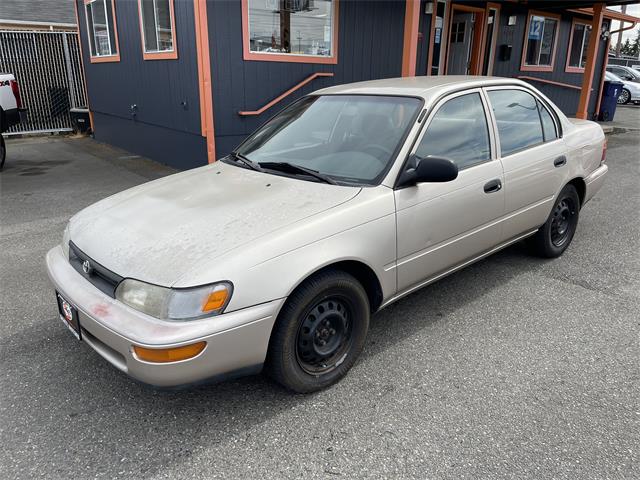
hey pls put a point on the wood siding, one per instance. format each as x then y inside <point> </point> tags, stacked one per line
<point>563,97</point>
<point>369,47</point>
<point>165,125</point>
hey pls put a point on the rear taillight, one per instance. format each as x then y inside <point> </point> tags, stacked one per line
<point>604,152</point>
<point>16,92</point>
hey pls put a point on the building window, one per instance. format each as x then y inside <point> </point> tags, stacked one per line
<point>540,42</point>
<point>158,27</point>
<point>578,43</point>
<point>290,30</point>
<point>102,30</point>
<point>457,32</point>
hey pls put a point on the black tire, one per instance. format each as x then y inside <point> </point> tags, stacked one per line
<point>3,151</point>
<point>624,97</point>
<point>330,307</point>
<point>556,234</point>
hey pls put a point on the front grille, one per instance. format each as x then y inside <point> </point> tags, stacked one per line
<point>102,278</point>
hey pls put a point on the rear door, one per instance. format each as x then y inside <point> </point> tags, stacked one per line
<point>441,225</point>
<point>533,157</point>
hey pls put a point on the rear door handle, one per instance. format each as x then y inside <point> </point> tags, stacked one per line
<point>493,186</point>
<point>560,161</point>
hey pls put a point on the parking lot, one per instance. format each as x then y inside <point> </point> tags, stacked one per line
<point>512,368</point>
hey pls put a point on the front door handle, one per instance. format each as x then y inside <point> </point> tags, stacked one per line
<point>493,186</point>
<point>560,161</point>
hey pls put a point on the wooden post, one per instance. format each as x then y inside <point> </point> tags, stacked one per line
<point>410,45</point>
<point>590,66</point>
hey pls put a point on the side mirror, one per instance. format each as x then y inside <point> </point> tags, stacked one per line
<point>428,169</point>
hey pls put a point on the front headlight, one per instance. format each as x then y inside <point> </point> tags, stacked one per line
<point>65,241</point>
<point>175,304</point>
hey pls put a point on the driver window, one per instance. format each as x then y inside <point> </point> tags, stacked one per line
<point>459,132</point>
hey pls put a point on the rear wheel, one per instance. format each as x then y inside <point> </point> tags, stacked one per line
<point>556,234</point>
<point>3,151</point>
<point>319,333</point>
<point>624,97</point>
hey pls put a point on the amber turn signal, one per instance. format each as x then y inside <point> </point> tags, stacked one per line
<point>166,355</point>
<point>215,300</point>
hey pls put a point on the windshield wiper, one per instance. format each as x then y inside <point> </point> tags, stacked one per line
<point>249,163</point>
<point>293,168</point>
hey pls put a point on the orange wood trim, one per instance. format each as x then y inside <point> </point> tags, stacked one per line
<point>204,77</point>
<point>247,54</point>
<point>589,68</point>
<point>477,54</point>
<point>610,14</point>
<point>494,37</point>
<point>432,38</point>
<point>86,93</point>
<point>568,68</point>
<point>170,55</point>
<point>104,58</point>
<point>310,78</point>
<point>468,8</point>
<point>410,43</point>
<point>550,82</point>
<point>539,68</point>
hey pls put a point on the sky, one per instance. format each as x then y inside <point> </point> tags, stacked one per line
<point>633,9</point>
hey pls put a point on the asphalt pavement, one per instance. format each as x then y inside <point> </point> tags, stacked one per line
<point>515,367</point>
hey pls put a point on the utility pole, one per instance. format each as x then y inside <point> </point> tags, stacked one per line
<point>619,42</point>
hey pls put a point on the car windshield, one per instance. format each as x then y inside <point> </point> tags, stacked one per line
<point>348,138</point>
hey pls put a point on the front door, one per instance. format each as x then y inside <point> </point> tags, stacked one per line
<point>442,225</point>
<point>460,40</point>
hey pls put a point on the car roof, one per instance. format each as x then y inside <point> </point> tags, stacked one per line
<point>423,86</point>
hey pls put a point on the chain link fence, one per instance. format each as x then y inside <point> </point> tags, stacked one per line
<point>48,68</point>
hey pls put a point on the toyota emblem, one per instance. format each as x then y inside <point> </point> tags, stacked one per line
<point>86,267</point>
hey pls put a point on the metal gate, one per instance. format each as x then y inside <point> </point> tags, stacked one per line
<point>48,68</point>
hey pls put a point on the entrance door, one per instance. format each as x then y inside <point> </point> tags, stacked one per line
<point>460,41</point>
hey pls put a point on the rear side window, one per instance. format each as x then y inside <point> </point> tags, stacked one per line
<point>518,120</point>
<point>548,126</point>
<point>458,132</point>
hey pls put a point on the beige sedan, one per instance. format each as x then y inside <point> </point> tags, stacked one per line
<point>354,196</point>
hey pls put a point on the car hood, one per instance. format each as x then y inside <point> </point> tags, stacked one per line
<point>160,230</point>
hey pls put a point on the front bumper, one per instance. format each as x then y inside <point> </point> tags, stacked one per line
<point>594,181</point>
<point>237,342</point>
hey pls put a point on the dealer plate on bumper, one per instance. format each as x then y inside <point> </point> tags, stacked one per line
<point>69,315</point>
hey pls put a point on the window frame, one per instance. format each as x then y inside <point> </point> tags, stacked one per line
<point>525,42</point>
<point>568,67</point>
<point>247,54</point>
<point>165,54</point>
<point>493,151</point>
<point>102,58</point>
<point>543,102</point>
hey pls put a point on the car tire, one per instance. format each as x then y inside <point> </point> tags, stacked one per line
<point>3,151</point>
<point>319,333</point>
<point>553,238</point>
<point>624,97</point>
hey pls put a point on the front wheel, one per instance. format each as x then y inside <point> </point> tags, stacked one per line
<point>624,97</point>
<point>319,333</point>
<point>556,234</point>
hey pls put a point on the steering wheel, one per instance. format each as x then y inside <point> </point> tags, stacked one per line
<point>379,148</point>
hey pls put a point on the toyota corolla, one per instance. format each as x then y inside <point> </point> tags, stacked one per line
<point>277,255</point>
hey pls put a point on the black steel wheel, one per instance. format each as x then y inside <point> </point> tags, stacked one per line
<point>319,332</point>
<point>3,151</point>
<point>556,234</point>
<point>624,97</point>
<point>324,336</point>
